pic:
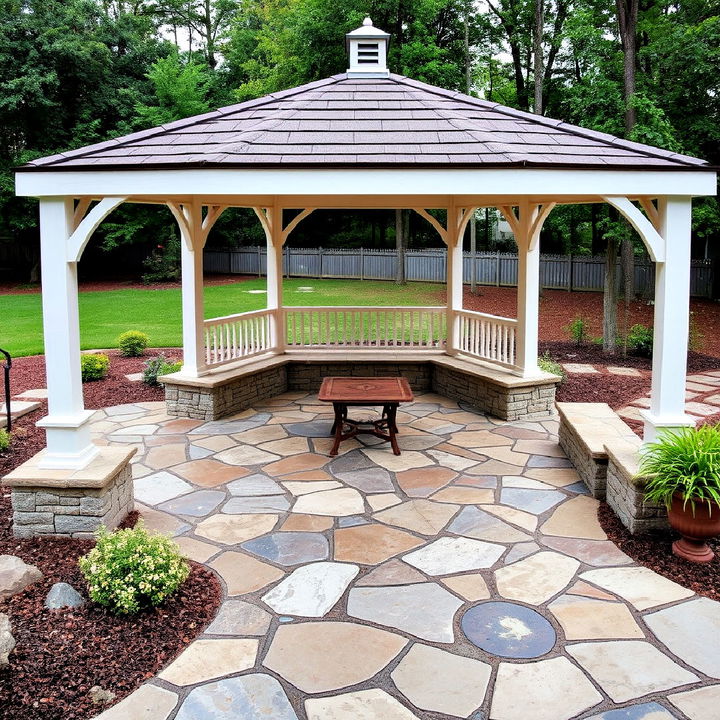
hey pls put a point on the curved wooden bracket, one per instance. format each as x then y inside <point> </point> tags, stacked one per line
<point>263,216</point>
<point>85,227</point>
<point>464,219</point>
<point>434,222</point>
<point>526,223</point>
<point>654,242</point>
<point>540,215</point>
<point>193,226</point>
<point>294,223</point>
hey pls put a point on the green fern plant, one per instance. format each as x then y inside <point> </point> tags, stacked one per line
<point>686,462</point>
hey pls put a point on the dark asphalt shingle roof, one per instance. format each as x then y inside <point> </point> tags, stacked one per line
<point>355,122</point>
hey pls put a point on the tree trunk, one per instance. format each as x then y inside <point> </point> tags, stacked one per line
<point>627,12</point>
<point>610,297</point>
<point>538,55</point>
<point>627,255</point>
<point>400,228</point>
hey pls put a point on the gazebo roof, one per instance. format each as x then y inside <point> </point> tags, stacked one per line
<point>349,121</point>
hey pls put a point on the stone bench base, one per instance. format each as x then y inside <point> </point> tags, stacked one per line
<point>71,502</point>
<point>625,491</point>
<point>224,392</point>
<point>585,428</point>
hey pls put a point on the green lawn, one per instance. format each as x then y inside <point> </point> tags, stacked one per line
<point>104,315</point>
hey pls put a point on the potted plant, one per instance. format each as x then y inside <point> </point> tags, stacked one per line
<point>683,468</point>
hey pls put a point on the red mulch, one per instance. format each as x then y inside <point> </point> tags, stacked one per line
<point>61,654</point>
<point>654,552</point>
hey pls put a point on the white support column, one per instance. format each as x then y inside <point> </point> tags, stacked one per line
<point>274,237</point>
<point>193,305</point>
<point>528,307</point>
<point>454,278</point>
<point>68,435</point>
<point>672,309</point>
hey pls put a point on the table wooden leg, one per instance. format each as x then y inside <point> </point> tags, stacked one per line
<point>392,428</point>
<point>337,428</point>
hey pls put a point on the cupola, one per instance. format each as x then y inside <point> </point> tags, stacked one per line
<point>367,47</point>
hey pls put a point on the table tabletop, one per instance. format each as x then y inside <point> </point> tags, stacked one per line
<point>365,390</point>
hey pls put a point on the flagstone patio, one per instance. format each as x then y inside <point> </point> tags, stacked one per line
<point>467,578</point>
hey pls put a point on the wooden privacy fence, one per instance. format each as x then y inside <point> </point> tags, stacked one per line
<point>562,272</point>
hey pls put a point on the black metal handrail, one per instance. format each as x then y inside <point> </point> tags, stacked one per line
<point>6,368</point>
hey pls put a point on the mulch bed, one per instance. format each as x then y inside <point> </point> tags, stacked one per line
<point>61,654</point>
<point>654,552</point>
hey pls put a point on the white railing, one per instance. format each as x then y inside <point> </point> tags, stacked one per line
<point>366,327</point>
<point>237,336</point>
<point>488,337</point>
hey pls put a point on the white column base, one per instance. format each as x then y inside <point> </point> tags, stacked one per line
<point>655,426</point>
<point>69,446</point>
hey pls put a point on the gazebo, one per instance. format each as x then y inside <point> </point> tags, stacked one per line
<point>362,139</point>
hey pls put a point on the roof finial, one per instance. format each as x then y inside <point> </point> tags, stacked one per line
<point>367,47</point>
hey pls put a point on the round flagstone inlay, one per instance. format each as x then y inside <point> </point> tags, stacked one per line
<point>508,630</point>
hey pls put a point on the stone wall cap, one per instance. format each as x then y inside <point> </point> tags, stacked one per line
<point>625,455</point>
<point>498,376</point>
<point>97,474</point>
<point>596,425</point>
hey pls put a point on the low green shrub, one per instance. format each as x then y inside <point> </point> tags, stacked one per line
<point>94,367</point>
<point>5,440</point>
<point>132,343</point>
<point>578,329</point>
<point>546,363</point>
<point>131,570</point>
<point>156,366</point>
<point>640,340</point>
<point>163,263</point>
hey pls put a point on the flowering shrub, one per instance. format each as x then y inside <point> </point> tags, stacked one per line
<point>4,440</point>
<point>130,570</point>
<point>132,343</point>
<point>94,367</point>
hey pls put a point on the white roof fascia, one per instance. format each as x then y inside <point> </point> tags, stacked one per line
<point>385,181</point>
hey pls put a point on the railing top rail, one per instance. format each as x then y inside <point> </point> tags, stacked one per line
<point>361,308</point>
<point>238,316</point>
<point>486,316</point>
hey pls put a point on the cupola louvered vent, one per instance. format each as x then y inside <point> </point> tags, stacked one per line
<point>367,47</point>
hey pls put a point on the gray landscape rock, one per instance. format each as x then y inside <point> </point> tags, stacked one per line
<point>62,595</point>
<point>16,575</point>
<point>7,641</point>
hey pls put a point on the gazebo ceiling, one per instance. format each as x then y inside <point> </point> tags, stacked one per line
<point>377,122</point>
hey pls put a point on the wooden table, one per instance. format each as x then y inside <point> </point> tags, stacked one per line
<point>344,392</point>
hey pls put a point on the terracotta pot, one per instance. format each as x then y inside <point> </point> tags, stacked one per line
<point>695,529</point>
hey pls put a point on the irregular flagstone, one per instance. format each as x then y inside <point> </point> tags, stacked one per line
<point>343,501</point>
<point>196,504</point>
<point>521,550</point>
<point>419,441</point>
<point>542,690</point>
<point>628,669</point>
<point>289,548</point>
<point>456,462</point>
<point>237,617</point>
<point>380,502</point>
<point>464,495</point>
<point>372,544</point>
<point>148,702</point>
<point>494,467</point>
<point>645,711</point>
<point>250,419</point>
<point>309,523</point>
<point>453,555</point>
<point>257,484</point>
<point>244,574</point>
<point>536,578</point>
<point>373,480</point>
<point>312,429</point>
<point>393,572</point>
<point>160,521</point>
<point>592,552</point>
<point>686,629</point>
<point>265,433</point>
<point>425,481</point>
<point>246,455</point>
<point>474,523</point>
<point>251,697</point>
<point>296,463</point>
<point>478,439</point>
<point>576,518</point>
<point>311,590</point>
<point>209,473</point>
<point>350,462</point>
<point>558,477</point>
<point>165,456</point>
<point>371,704</point>
<point>396,463</point>
<point>304,488</point>
<point>532,501</point>
<point>587,590</point>
<point>421,516</point>
<point>231,529</point>
<point>549,448</point>
<point>208,659</point>
<point>214,442</point>
<point>436,680</point>
<point>640,586</point>
<point>286,446</point>
<point>432,425</point>
<point>425,610</point>
<point>700,704</point>
<point>195,549</point>
<point>524,520</point>
<point>256,504</point>
<point>159,487</point>
<point>317,657</point>
<point>471,587</point>
<point>506,455</point>
<point>584,618</point>
<point>517,481</point>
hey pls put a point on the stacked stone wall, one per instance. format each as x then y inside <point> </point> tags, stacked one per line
<point>592,471</point>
